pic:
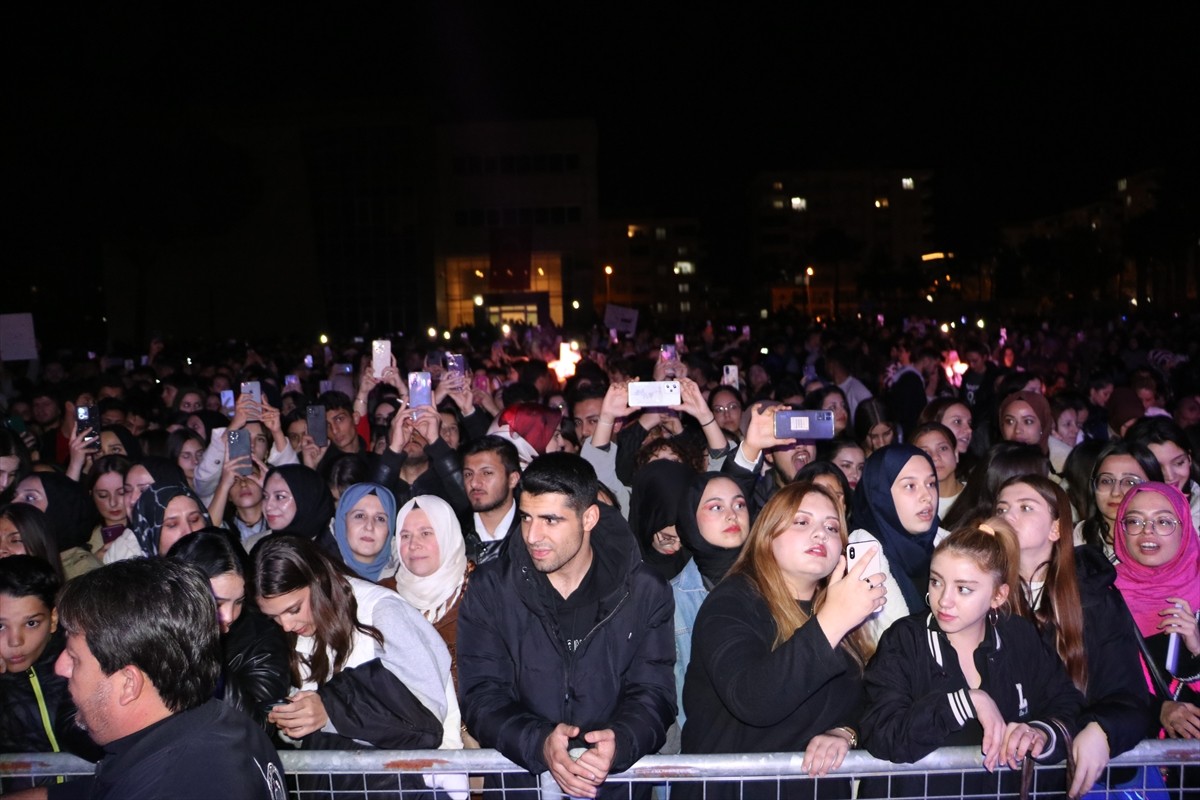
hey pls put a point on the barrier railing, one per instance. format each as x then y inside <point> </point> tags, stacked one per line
<point>1172,769</point>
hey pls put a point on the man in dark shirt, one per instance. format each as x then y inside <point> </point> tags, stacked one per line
<point>142,660</point>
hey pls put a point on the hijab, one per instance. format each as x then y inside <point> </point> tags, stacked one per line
<point>151,508</point>
<point>163,470</point>
<point>434,594</point>
<point>350,497</point>
<point>712,561</point>
<point>69,510</point>
<point>133,448</point>
<point>1041,408</point>
<point>1146,589</point>
<point>653,506</point>
<point>908,554</point>
<point>314,503</point>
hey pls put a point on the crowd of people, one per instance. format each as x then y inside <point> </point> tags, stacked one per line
<point>995,544</point>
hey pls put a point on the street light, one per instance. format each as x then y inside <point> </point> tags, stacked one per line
<point>808,275</point>
<point>608,270</point>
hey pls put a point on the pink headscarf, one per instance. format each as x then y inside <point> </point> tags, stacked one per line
<point>1146,589</point>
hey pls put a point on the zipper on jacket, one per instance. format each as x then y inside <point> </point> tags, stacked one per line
<point>45,714</point>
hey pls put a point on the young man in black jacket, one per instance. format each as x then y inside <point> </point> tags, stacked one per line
<point>566,643</point>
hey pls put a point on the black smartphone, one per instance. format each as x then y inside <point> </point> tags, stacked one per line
<point>87,422</point>
<point>239,445</point>
<point>316,425</point>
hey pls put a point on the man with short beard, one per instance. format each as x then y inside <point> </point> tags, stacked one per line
<point>491,471</point>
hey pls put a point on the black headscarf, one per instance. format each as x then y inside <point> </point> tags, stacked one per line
<point>712,561</point>
<point>151,508</point>
<point>653,505</point>
<point>163,470</point>
<point>314,503</point>
<point>908,554</point>
<point>69,510</point>
<point>133,448</point>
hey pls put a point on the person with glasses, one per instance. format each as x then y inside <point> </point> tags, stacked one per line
<point>1119,467</point>
<point>1159,576</point>
<point>726,404</point>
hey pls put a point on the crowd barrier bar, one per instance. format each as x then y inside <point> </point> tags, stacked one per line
<point>651,769</point>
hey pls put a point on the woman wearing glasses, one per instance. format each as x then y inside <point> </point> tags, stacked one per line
<point>726,404</point>
<point>1159,575</point>
<point>1119,467</point>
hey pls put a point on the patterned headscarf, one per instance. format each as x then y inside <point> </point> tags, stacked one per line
<point>151,508</point>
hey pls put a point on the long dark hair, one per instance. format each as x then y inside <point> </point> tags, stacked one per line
<point>1095,527</point>
<point>287,563</point>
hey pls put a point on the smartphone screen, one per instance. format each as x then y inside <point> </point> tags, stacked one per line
<point>420,389</point>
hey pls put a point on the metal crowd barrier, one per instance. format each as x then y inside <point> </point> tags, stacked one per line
<point>1171,768</point>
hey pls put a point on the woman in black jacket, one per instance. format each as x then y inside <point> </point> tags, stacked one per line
<point>1081,617</point>
<point>255,651</point>
<point>777,649</point>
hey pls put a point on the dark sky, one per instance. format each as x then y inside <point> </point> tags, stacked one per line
<point>1019,110</point>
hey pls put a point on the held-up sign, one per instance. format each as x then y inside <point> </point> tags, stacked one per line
<point>622,319</point>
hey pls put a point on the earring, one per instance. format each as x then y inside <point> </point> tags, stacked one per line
<point>993,616</point>
<point>927,600</point>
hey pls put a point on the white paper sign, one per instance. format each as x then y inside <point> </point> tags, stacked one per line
<point>622,318</point>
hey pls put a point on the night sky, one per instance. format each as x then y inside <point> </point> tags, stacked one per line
<point>1021,112</point>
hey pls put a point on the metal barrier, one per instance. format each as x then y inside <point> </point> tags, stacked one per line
<point>954,771</point>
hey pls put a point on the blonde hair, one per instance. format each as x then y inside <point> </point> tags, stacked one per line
<point>993,546</point>
<point>758,565</point>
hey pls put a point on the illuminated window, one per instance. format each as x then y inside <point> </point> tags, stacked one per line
<point>1122,185</point>
<point>776,204</point>
<point>685,268</point>
<point>907,184</point>
<point>799,204</point>
<point>685,305</point>
<point>683,288</point>
<point>660,233</point>
<point>777,186</point>
<point>881,202</point>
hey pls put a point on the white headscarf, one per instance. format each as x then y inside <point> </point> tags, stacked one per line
<point>434,594</point>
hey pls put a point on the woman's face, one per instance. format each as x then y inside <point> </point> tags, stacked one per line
<point>451,435</point>
<point>1176,464</point>
<point>137,480</point>
<point>723,516</point>
<point>11,543</point>
<point>245,493</point>
<point>280,505</point>
<point>915,495</point>
<point>841,415</point>
<point>850,460</point>
<point>833,486</point>
<point>367,528</point>
<point>419,548</point>
<point>31,492</point>
<point>1116,476</point>
<point>808,549</point>
<point>110,444</point>
<point>943,453</point>
<point>1020,424</point>
<point>8,471</point>
<point>191,402</point>
<point>189,458</point>
<point>1066,427</point>
<point>727,410</point>
<point>958,419</point>
<point>291,611</point>
<point>880,435</point>
<point>1149,547</point>
<point>1024,508</point>
<point>229,589</point>
<point>197,426</point>
<point>182,517</point>
<point>108,493</point>
<point>961,594</point>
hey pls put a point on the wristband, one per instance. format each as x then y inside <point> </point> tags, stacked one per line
<point>710,422</point>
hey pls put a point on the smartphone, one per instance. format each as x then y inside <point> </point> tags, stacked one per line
<point>856,551</point>
<point>480,382</point>
<point>456,363</point>
<point>654,394</point>
<point>746,331</point>
<point>343,369</point>
<point>308,361</point>
<point>227,402</point>
<point>254,389</point>
<point>668,353</point>
<point>291,383</point>
<point>612,335</point>
<point>381,356</point>
<point>803,424</point>
<point>87,422</point>
<point>129,365</point>
<point>729,376</point>
<point>420,389</point>
<point>239,445</point>
<point>577,746</point>
<point>316,425</point>
<point>679,343</point>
